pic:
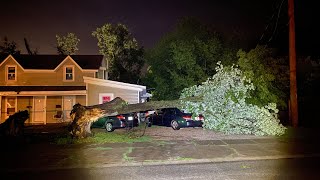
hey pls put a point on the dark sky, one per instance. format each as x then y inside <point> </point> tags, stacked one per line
<point>40,20</point>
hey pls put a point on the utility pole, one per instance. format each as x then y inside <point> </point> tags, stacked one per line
<point>293,110</point>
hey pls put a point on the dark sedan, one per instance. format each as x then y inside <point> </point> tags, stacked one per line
<point>110,123</point>
<point>175,118</point>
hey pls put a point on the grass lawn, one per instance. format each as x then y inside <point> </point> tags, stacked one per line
<point>106,137</point>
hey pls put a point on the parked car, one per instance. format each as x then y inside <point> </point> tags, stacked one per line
<point>110,123</point>
<point>175,118</point>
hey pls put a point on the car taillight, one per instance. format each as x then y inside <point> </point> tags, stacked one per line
<point>186,117</point>
<point>121,117</point>
<point>200,117</point>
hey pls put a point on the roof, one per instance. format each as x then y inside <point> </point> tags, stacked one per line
<point>50,62</point>
<point>41,88</point>
<point>115,84</point>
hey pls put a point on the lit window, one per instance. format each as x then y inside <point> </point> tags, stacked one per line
<point>11,73</point>
<point>69,73</point>
<point>11,105</point>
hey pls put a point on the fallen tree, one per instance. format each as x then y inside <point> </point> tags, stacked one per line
<point>84,116</point>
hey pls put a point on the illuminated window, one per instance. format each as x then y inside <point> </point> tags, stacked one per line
<point>11,105</point>
<point>11,73</point>
<point>69,73</point>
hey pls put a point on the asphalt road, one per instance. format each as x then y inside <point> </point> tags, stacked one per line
<point>299,168</point>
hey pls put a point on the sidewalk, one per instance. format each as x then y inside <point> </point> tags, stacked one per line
<point>157,152</point>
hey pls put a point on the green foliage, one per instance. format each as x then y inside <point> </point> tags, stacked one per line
<point>270,76</point>
<point>225,108</point>
<point>8,47</point>
<point>67,45</point>
<point>124,57</point>
<point>184,57</point>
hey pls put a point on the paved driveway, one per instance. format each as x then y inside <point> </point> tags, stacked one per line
<point>167,133</point>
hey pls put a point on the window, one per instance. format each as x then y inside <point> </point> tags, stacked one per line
<point>69,73</point>
<point>11,73</point>
<point>11,105</point>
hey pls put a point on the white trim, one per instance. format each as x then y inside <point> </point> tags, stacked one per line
<point>115,84</point>
<point>105,94</point>
<point>48,93</point>
<point>65,73</point>
<point>45,110</point>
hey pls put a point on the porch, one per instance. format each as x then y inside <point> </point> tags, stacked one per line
<point>42,109</point>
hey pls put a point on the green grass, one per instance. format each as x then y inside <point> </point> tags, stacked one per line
<point>183,158</point>
<point>125,155</point>
<point>104,137</point>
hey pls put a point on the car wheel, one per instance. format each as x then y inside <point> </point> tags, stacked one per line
<point>175,125</point>
<point>109,127</point>
<point>148,122</point>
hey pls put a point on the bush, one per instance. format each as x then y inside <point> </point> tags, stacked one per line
<point>225,108</point>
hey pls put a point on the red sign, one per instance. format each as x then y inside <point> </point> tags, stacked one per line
<point>106,99</point>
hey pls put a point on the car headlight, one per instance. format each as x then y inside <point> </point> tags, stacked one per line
<point>130,118</point>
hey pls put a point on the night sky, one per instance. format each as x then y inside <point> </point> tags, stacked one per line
<point>39,20</point>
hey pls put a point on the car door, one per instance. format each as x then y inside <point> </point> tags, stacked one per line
<point>168,116</point>
<point>157,117</point>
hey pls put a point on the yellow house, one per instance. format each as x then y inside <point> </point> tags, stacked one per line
<point>49,85</point>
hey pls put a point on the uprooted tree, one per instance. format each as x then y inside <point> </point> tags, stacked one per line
<point>84,116</point>
<point>222,99</point>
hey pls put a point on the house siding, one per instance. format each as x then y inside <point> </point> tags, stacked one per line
<point>131,96</point>
<point>52,78</point>
<point>51,109</point>
<point>22,104</point>
<point>81,100</point>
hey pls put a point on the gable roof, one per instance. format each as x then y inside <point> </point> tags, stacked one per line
<point>50,62</point>
<point>114,84</point>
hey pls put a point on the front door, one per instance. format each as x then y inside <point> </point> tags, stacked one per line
<point>68,102</point>
<point>39,114</point>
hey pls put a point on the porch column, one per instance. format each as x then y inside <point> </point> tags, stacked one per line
<point>45,110</point>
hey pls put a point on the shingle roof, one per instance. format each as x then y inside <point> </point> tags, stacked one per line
<point>50,62</point>
<point>88,61</point>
